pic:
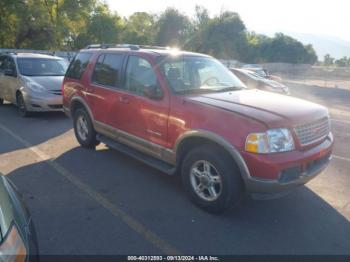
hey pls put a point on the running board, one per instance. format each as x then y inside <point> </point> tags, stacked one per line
<point>149,160</point>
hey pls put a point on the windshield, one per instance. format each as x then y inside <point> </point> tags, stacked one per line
<point>198,74</point>
<point>42,66</point>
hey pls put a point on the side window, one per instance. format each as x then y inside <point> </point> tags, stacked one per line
<point>2,63</point>
<point>107,70</point>
<point>139,74</point>
<point>11,65</point>
<point>78,65</point>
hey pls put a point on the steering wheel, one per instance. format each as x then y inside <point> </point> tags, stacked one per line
<point>211,81</point>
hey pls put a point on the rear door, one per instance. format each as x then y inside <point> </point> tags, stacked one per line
<point>105,87</point>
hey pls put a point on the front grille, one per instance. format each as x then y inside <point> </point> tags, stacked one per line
<point>56,92</point>
<point>313,132</point>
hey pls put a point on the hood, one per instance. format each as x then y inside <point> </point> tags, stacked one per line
<point>48,82</point>
<point>271,109</point>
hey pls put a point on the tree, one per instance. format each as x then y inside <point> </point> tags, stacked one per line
<point>8,22</point>
<point>342,62</point>
<point>222,36</point>
<point>173,28</point>
<point>328,60</point>
<point>103,27</point>
<point>139,29</point>
<point>285,49</point>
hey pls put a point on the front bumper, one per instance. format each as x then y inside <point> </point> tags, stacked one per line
<point>285,171</point>
<point>44,103</point>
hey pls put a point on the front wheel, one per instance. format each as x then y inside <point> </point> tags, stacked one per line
<point>22,109</point>
<point>211,179</point>
<point>83,129</point>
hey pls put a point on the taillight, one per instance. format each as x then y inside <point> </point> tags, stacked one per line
<point>12,248</point>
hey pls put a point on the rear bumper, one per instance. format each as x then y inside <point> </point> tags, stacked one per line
<point>283,172</point>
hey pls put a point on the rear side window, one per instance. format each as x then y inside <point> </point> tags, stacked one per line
<point>78,65</point>
<point>107,70</point>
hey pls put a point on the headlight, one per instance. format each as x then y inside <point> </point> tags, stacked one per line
<point>13,248</point>
<point>272,141</point>
<point>35,87</point>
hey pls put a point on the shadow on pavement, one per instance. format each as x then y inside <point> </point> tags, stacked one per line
<point>37,128</point>
<point>68,221</point>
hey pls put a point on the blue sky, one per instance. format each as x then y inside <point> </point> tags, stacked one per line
<point>322,17</point>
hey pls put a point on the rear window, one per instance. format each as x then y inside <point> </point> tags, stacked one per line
<point>78,65</point>
<point>107,70</point>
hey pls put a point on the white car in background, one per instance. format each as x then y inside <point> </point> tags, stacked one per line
<point>32,81</point>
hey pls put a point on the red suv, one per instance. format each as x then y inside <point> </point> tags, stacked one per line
<point>185,113</point>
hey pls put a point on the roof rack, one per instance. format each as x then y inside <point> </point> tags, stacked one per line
<point>130,46</point>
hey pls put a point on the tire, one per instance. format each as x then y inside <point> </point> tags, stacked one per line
<point>229,186</point>
<point>83,129</point>
<point>1,101</point>
<point>22,109</point>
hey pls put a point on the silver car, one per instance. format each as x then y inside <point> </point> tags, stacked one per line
<point>32,81</point>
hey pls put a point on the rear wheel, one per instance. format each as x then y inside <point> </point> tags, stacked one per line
<point>84,130</point>
<point>1,101</point>
<point>211,179</point>
<point>22,109</point>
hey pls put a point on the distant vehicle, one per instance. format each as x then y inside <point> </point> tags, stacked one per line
<point>253,80</point>
<point>186,114</point>
<point>17,234</point>
<point>251,66</point>
<point>259,70</point>
<point>32,81</point>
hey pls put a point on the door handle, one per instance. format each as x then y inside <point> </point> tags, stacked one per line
<point>124,100</point>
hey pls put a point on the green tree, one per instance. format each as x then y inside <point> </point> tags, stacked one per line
<point>222,36</point>
<point>103,27</point>
<point>342,62</point>
<point>139,29</point>
<point>328,60</point>
<point>173,28</point>
<point>282,48</point>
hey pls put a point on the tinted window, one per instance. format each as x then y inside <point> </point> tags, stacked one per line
<point>2,63</point>
<point>78,65</point>
<point>139,74</point>
<point>107,69</point>
<point>42,66</point>
<point>198,74</point>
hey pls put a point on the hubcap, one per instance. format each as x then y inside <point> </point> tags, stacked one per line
<point>82,127</point>
<point>206,180</point>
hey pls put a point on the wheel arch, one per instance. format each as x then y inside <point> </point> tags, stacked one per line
<point>200,137</point>
<point>78,102</point>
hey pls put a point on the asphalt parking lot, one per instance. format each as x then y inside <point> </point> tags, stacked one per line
<point>102,202</point>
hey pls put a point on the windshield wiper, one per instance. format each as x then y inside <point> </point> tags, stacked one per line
<point>231,88</point>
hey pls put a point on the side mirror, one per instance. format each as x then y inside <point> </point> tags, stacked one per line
<point>153,92</point>
<point>10,72</point>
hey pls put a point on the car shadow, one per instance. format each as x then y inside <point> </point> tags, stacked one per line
<point>69,221</point>
<point>37,128</point>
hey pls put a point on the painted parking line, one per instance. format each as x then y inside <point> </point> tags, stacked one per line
<point>341,158</point>
<point>133,224</point>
